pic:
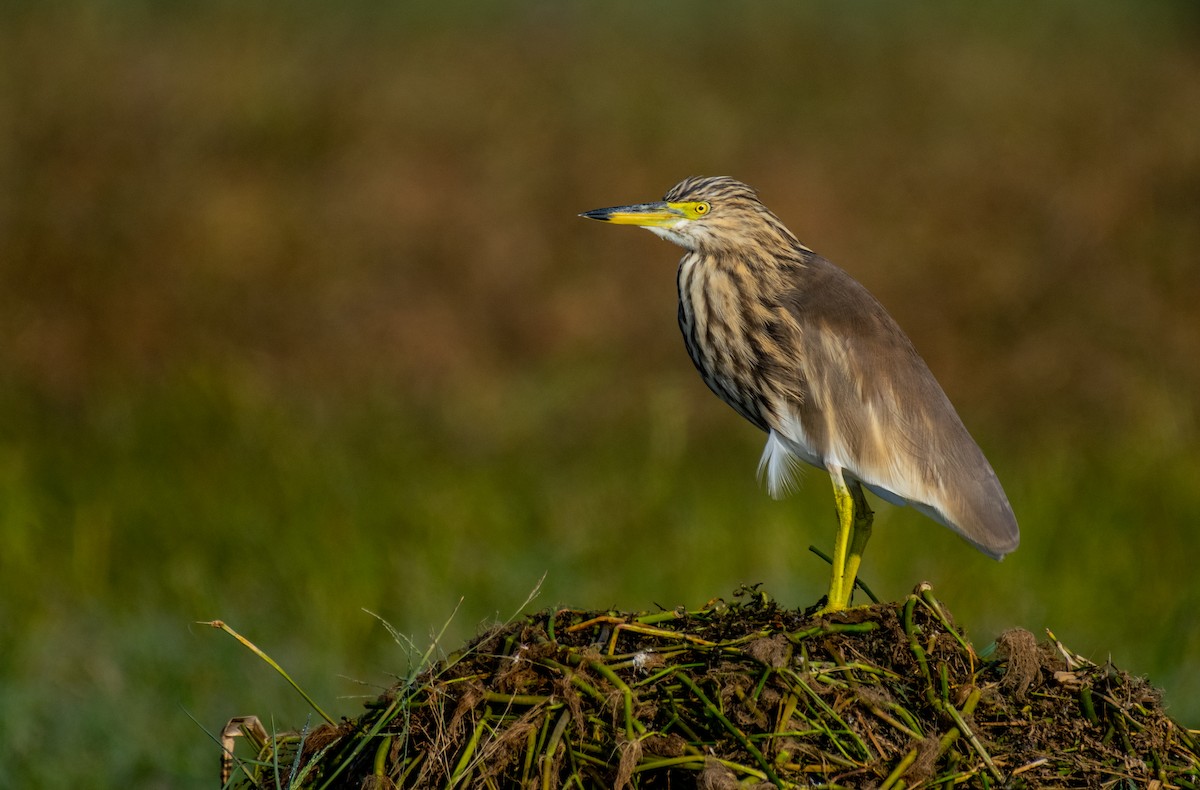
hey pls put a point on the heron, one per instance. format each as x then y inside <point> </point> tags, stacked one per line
<point>804,352</point>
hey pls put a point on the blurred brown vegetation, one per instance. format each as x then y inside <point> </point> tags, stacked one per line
<point>356,224</point>
<point>326,198</point>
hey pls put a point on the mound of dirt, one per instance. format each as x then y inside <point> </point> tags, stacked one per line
<point>747,693</point>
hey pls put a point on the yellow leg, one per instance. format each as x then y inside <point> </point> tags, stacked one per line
<point>863,519</point>
<point>854,530</point>
<point>844,502</point>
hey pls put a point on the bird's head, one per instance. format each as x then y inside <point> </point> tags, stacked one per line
<point>701,213</point>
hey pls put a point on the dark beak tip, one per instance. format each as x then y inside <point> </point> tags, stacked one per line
<point>598,213</point>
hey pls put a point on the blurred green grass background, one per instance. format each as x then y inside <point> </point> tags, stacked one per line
<point>298,321</point>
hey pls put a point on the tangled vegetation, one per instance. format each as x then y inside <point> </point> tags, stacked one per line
<point>742,693</point>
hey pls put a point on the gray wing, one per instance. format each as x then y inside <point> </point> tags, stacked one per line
<point>872,407</point>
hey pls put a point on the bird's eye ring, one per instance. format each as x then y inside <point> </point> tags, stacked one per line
<point>701,209</point>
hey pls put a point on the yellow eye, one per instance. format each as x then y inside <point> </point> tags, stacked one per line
<point>701,209</point>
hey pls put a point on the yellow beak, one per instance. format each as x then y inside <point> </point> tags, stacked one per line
<point>646,215</point>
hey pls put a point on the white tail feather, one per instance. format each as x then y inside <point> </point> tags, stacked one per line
<point>777,467</point>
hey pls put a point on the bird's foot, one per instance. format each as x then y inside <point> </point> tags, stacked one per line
<point>822,608</point>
